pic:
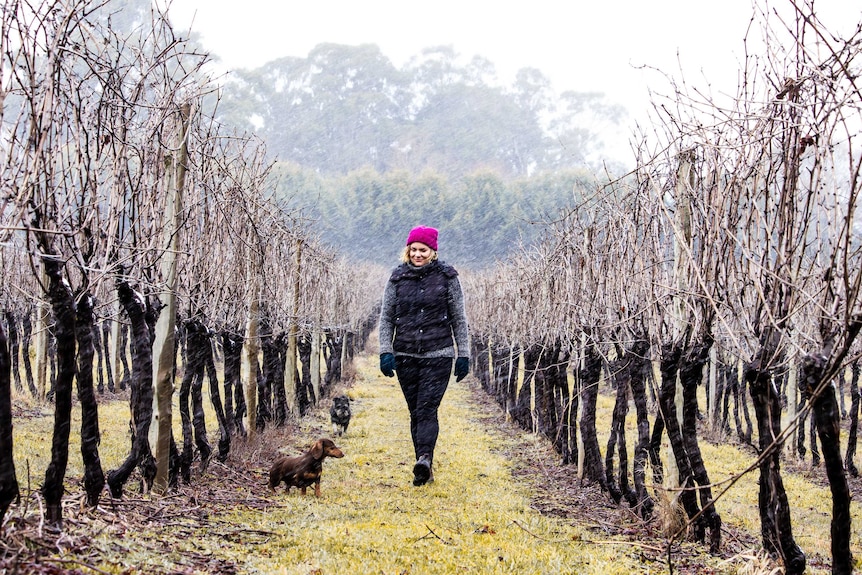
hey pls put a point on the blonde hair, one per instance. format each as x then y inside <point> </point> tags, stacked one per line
<point>405,255</point>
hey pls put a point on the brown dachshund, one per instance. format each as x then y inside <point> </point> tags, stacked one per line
<point>303,470</point>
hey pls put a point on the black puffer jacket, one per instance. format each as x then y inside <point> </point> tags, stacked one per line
<point>423,312</point>
<point>422,307</point>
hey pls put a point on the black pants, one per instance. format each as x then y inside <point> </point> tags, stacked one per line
<point>423,382</point>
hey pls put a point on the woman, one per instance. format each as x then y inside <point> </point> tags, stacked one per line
<point>423,328</point>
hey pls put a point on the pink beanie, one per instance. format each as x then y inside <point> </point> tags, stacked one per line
<point>422,234</point>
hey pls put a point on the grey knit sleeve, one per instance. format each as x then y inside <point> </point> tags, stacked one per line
<point>386,329</point>
<point>458,313</point>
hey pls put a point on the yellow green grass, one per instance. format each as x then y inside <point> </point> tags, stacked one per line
<point>475,518</point>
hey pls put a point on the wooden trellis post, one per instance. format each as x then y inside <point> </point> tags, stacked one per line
<point>293,334</point>
<point>163,347</point>
<point>682,273</point>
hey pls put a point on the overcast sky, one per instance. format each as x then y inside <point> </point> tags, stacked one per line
<point>583,46</point>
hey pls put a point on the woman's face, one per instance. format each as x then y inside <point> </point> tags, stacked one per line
<point>420,254</point>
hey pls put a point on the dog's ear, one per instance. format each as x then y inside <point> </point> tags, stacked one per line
<point>317,449</point>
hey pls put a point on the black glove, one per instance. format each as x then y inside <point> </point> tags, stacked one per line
<point>387,364</point>
<point>462,368</point>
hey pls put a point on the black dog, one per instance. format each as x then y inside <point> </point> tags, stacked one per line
<point>340,414</point>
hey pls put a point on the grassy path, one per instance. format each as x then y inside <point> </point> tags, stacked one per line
<point>475,518</point>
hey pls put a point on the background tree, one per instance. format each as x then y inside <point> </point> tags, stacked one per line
<point>372,211</point>
<point>347,108</point>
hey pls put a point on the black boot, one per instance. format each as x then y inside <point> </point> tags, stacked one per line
<point>422,470</point>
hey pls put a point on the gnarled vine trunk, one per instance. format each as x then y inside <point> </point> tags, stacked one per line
<point>827,416</point>
<point>94,476</point>
<point>279,393</point>
<point>480,351</point>
<point>639,372</point>
<point>193,422</point>
<point>9,490</point>
<point>233,392</point>
<point>620,378</point>
<point>558,379</point>
<point>775,525</point>
<point>333,340</point>
<point>63,307</point>
<point>588,378</point>
<point>141,396</point>
<point>215,398</point>
<point>304,390</point>
<point>849,463</point>
<point>691,374</point>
